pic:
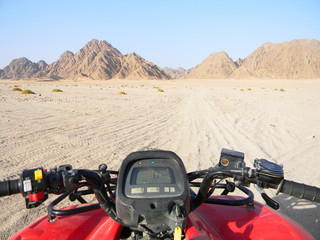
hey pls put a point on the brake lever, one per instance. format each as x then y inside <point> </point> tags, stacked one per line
<point>269,201</point>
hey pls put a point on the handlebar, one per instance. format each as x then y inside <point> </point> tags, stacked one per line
<point>300,190</point>
<point>10,187</point>
<point>62,179</point>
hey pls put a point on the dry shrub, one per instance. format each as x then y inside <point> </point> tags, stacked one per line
<point>27,92</point>
<point>57,90</point>
<point>123,93</point>
<point>160,90</point>
<point>17,89</point>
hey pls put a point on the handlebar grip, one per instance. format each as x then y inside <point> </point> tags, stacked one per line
<point>300,190</point>
<point>9,187</point>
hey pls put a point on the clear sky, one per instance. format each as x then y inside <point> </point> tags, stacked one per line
<point>168,33</point>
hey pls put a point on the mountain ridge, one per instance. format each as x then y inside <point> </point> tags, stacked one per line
<point>96,60</point>
<point>100,60</point>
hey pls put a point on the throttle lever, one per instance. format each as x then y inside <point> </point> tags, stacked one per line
<point>269,201</point>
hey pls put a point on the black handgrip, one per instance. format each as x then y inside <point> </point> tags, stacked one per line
<point>10,187</point>
<point>300,190</point>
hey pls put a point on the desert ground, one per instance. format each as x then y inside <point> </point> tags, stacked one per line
<point>91,123</point>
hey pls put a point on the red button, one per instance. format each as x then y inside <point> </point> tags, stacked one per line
<point>35,197</point>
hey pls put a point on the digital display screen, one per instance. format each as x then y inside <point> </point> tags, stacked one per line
<point>152,175</point>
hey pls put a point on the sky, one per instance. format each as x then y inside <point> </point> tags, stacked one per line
<point>166,32</point>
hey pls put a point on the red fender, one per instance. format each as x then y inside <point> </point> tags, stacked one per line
<point>240,222</point>
<point>94,224</point>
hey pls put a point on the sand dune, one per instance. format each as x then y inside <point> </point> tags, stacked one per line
<point>91,123</point>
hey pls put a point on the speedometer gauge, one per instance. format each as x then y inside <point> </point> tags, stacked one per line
<point>152,187</point>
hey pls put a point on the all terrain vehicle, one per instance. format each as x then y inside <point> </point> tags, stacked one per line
<point>153,197</point>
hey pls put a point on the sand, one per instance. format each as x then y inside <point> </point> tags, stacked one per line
<point>91,123</point>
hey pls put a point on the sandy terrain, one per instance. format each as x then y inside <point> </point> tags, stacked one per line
<point>91,123</point>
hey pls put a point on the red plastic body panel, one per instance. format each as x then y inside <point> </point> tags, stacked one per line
<point>228,222</point>
<point>95,224</point>
<point>206,222</point>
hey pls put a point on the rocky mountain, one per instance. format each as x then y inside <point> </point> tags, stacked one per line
<point>96,60</point>
<point>42,65</point>
<point>297,59</point>
<point>175,73</point>
<point>23,68</point>
<point>216,66</point>
<point>58,68</point>
<point>292,60</point>
<point>239,62</point>
<point>135,67</point>
<point>99,60</point>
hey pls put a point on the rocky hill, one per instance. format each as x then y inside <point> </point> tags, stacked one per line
<point>96,60</point>
<point>179,72</point>
<point>216,66</point>
<point>134,67</point>
<point>297,59</point>
<point>291,60</point>
<point>23,68</point>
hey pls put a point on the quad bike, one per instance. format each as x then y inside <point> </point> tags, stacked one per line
<point>152,197</point>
